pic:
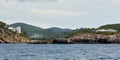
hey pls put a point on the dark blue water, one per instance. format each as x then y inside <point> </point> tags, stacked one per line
<point>59,52</point>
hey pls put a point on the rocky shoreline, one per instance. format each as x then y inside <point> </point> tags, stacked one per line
<point>3,41</point>
<point>81,39</point>
<point>85,39</point>
<point>96,38</point>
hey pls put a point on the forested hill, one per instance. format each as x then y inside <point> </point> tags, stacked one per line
<point>37,32</point>
<point>90,30</point>
<point>110,26</point>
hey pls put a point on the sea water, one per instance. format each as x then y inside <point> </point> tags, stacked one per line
<point>59,52</point>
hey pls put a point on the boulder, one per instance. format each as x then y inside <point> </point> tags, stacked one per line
<point>3,41</point>
<point>37,42</point>
<point>61,41</point>
<point>95,38</point>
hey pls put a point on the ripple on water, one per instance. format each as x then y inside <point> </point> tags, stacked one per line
<point>59,52</point>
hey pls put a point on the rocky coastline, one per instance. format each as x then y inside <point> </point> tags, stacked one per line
<point>96,38</point>
<point>84,39</point>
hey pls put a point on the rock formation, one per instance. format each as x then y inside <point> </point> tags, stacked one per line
<point>9,36</point>
<point>3,41</point>
<point>60,41</point>
<point>95,38</point>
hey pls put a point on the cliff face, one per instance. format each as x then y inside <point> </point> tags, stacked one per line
<point>95,38</point>
<point>12,37</point>
<point>2,41</point>
<point>89,39</point>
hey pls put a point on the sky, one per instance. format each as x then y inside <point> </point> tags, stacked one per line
<point>61,13</point>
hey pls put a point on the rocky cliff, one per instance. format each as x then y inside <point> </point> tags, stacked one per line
<point>89,39</point>
<point>95,38</point>
<point>9,36</point>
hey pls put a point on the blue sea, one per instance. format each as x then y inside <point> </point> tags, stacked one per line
<point>59,52</point>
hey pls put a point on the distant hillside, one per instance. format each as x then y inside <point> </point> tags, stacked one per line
<point>81,31</point>
<point>29,29</point>
<point>37,32</point>
<point>59,29</point>
<point>110,26</point>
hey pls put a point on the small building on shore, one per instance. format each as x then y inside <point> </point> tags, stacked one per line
<point>16,29</point>
<point>105,30</point>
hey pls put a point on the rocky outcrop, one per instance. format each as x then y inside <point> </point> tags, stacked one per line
<point>95,38</point>
<point>3,41</point>
<point>38,42</point>
<point>61,41</point>
<point>1,31</point>
<point>11,38</point>
<point>8,36</point>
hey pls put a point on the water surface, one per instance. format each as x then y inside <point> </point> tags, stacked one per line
<point>59,52</point>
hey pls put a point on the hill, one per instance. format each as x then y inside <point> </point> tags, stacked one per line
<point>29,29</point>
<point>37,32</point>
<point>110,26</point>
<point>90,30</point>
<point>56,29</point>
<point>8,35</point>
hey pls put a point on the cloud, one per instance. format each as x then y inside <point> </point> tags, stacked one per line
<point>61,1</point>
<point>54,12</point>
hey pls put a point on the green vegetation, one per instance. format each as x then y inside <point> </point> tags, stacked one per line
<point>82,31</point>
<point>40,33</point>
<point>9,35</point>
<point>78,32</point>
<point>111,26</point>
<point>2,24</point>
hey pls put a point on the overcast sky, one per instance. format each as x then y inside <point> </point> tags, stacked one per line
<point>61,13</point>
